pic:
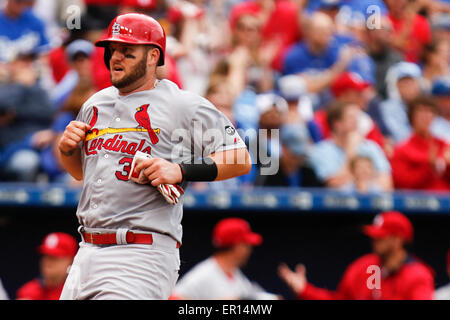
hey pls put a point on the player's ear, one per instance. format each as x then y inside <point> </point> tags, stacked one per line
<point>153,55</point>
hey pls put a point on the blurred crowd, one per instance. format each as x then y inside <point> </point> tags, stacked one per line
<point>359,89</point>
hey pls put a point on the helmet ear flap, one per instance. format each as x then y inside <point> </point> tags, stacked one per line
<point>161,57</point>
<point>107,57</point>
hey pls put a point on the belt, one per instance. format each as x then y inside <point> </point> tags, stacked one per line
<point>114,238</point>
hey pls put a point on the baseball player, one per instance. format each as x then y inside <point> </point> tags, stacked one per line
<point>57,251</point>
<point>219,277</point>
<point>130,208</point>
<point>390,272</point>
<point>3,293</point>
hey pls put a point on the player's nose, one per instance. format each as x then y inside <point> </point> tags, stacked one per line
<point>116,56</point>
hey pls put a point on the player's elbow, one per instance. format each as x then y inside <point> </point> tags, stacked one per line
<point>247,168</point>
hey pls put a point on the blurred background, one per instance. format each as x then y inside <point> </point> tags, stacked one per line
<point>359,91</point>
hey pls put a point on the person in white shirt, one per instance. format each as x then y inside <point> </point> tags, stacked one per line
<point>3,294</point>
<point>219,277</point>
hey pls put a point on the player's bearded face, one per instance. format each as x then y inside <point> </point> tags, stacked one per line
<point>128,74</point>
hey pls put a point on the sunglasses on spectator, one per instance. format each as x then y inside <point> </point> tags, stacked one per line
<point>248,28</point>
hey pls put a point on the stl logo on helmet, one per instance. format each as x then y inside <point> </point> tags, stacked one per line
<point>116,29</point>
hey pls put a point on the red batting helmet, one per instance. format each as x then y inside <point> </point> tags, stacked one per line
<point>134,28</point>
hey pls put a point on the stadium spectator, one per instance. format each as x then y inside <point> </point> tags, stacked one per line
<point>25,116</point>
<point>441,124</point>
<point>330,158</point>
<point>294,170</point>
<point>78,55</point>
<point>411,31</point>
<point>219,277</point>
<point>249,61</point>
<point>363,176</point>
<point>435,61</point>
<point>21,32</point>
<point>188,49</point>
<point>348,30</point>
<point>192,43</point>
<point>254,111</point>
<point>423,161</point>
<point>272,114</point>
<point>351,88</point>
<point>390,272</point>
<point>317,51</point>
<point>404,83</point>
<point>321,57</point>
<point>59,62</point>
<point>443,293</point>
<point>294,90</point>
<point>377,44</point>
<point>279,23</point>
<point>259,117</point>
<point>3,294</point>
<point>57,252</point>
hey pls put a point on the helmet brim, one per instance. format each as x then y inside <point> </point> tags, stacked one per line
<point>104,43</point>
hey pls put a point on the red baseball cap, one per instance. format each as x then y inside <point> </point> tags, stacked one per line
<point>348,81</point>
<point>231,231</point>
<point>390,223</point>
<point>59,244</point>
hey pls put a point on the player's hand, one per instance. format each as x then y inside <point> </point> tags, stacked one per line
<point>75,133</point>
<point>160,171</point>
<point>295,280</point>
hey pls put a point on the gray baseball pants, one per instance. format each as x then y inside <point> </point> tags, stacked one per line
<point>124,272</point>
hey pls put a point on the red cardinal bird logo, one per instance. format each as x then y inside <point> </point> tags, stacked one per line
<point>143,119</point>
<point>94,119</point>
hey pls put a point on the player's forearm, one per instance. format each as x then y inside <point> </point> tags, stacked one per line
<point>72,163</point>
<point>232,163</point>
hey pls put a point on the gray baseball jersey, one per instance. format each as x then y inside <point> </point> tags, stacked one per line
<point>165,122</point>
